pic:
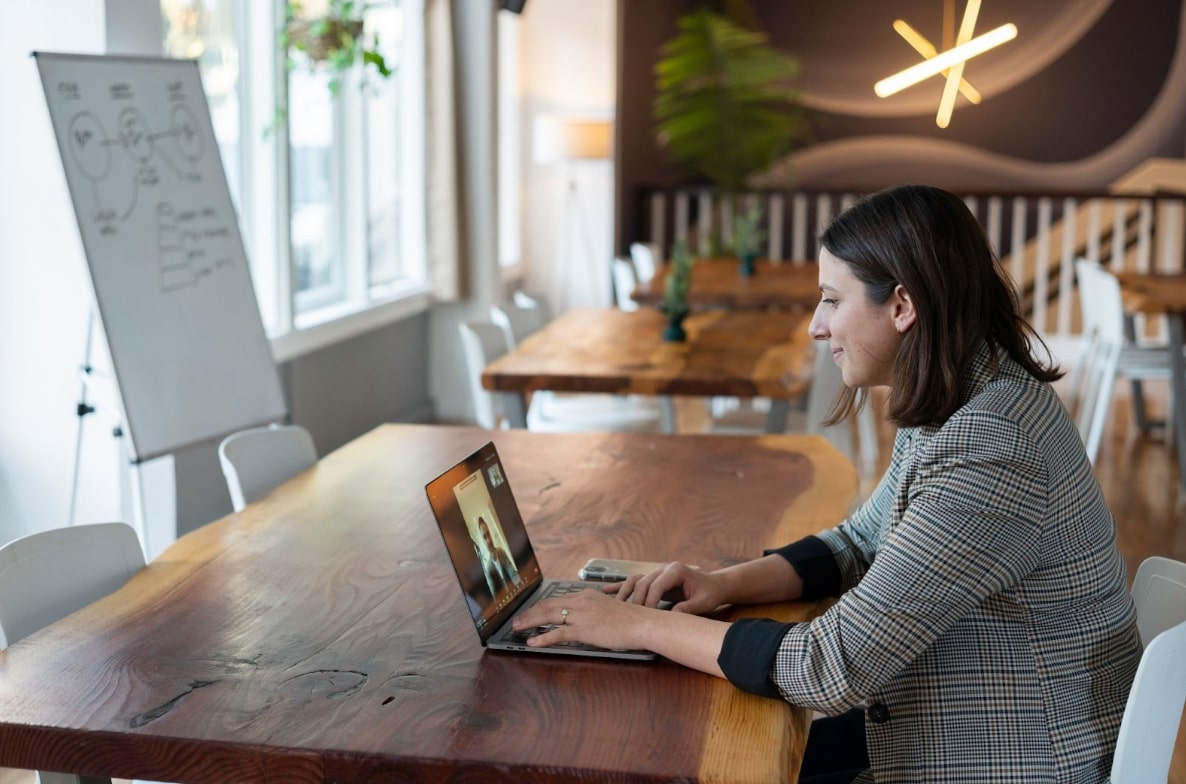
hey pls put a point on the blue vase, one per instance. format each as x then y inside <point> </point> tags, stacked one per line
<point>747,264</point>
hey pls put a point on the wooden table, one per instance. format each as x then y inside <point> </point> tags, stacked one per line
<point>727,353</point>
<point>717,283</point>
<point>320,634</point>
<point>1165,294</point>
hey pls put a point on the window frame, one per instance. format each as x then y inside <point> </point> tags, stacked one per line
<point>301,322</point>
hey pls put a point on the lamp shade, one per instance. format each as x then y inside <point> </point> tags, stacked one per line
<point>560,138</point>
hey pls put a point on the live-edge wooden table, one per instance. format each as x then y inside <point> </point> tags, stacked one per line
<point>728,353</point>
<point>320,635</point>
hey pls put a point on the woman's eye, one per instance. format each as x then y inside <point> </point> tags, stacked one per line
<point>828,301</point>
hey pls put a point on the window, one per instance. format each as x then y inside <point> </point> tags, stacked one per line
<point>329,194</point>
<point>509,141</point>
<point>208,35</point>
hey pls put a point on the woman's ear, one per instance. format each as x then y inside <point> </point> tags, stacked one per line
<point>904,313</point>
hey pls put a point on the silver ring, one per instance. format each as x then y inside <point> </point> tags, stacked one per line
<point>564,615</point>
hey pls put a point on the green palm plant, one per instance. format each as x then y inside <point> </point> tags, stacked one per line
<point>724,105</point>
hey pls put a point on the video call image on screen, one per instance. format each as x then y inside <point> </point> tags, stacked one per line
<point>498,563</point>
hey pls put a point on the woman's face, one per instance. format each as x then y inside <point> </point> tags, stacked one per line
<point>864,336</point>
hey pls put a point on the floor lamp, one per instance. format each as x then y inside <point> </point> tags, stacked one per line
<point>574,141</point>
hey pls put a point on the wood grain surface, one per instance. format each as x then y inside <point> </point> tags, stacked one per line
<point>1153,292</point>
<point>734,353</point>
<point>320,634</point>
<point>718,283</point>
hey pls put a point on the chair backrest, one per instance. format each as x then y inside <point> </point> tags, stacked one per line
<point>516,321</point>
<point>625,280</point>
<point>1159,593</point>
<point>1099,357</point>
<point>48,575</point>
<point>1145,743</point>
<point>257,460</point>
<point>482,342</point>
<point>644,255</point>
<point>537,301</point>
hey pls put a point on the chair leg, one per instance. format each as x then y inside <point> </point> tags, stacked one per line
<point>1099,414</point>
<point>667,414</point>
<point>1140,412</point>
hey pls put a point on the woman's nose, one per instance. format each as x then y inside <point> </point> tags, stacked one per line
<point>818,327</point>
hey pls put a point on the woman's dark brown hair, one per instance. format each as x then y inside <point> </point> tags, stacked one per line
<point>928,241</point>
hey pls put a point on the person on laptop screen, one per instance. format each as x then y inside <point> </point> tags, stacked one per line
<point>497,564</point>
<point>983,631</point>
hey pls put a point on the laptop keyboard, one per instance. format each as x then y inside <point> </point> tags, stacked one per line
<point>553,590</point>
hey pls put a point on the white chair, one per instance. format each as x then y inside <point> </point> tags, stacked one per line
<point>1145,744</point>
<point>625,281</point>
<point>257,460</point>
<point>645,258</point>
<point>1159,593</point>
<point>517,322</point>
<point>536,301</point>
<point>484,341</point>
<point>1105,354</point>
<point>1149,729</point>
<point>48,575</point>
<point>826,382</point>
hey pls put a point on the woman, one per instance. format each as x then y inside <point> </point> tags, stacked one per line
<point>983,621</point>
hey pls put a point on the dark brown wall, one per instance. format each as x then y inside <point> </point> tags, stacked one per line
<point>643,27</point>
<point>1075,108</point>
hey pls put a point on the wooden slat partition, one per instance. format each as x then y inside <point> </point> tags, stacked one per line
<point>1037,235</point>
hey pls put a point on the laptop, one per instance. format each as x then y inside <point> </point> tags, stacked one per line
<point>493,558</point>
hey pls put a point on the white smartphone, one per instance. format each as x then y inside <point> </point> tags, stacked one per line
<point>609,570</point>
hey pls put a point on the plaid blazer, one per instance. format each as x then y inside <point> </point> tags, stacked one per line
<point>984,618</point>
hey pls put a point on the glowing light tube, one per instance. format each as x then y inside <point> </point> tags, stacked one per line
<point>927,68</point>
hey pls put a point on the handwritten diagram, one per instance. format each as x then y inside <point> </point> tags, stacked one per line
<point>167,265</point>
<point>126,170</point>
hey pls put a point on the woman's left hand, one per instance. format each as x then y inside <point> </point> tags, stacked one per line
<point>589,617</point>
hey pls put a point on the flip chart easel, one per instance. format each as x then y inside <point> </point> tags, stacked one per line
<point>168,270</point>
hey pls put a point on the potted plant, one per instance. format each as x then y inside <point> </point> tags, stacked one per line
<point>333,42</point>
<point>747,236</point>
<point>675,293</point>
<point>724,106</point>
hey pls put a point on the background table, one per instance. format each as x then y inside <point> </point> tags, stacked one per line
<point>1165,294</point>
<point>727,353</point>
<point>320,634</point>
<point>718,283</point>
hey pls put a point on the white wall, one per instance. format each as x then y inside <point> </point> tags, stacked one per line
<point>567,65</point>
<point>45,290</point>
<point>475,37</point>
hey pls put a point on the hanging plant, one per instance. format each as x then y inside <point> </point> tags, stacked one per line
<point>723,104</point>
<point>333,43</point>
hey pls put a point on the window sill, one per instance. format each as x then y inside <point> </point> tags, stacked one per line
<point>330,325</point>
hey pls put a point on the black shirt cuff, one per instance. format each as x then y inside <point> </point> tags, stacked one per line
<point>815,564</point>
<point>747,654</point>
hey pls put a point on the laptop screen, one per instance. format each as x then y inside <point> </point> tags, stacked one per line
<point>485,537</point>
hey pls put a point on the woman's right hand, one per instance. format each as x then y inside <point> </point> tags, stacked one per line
<point>690,590</point>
